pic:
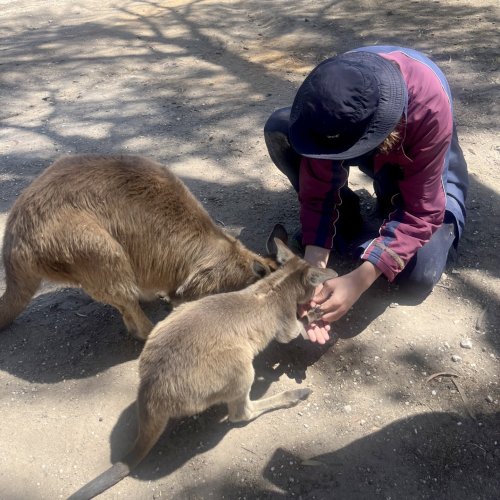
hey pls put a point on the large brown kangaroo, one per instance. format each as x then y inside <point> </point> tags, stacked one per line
<point>201,355</point>
<point>121,227</point>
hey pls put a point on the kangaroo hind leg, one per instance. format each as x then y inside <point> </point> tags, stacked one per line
<point>244,409</point>
<point>22,284</point>
<point>241,408</point>
<point>103,269</point>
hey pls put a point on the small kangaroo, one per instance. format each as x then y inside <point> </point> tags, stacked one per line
<point>121,227</point>
<point>201,355</point>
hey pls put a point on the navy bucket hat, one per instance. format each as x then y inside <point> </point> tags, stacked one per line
<point>347,106</point>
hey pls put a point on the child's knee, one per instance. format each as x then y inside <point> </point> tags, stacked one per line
<point>425,269</point>
<point>421,283</point>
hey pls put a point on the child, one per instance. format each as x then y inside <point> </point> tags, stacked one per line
<point>387,110</point>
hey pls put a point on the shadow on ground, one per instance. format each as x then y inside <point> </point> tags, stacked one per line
<point>72,337</point>
<point>432,455</point>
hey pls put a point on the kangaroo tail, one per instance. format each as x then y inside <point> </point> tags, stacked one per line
<point>150,429</point>
<point>102,482</point>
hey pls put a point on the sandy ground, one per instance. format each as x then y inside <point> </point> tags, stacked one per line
<point>191,84</point>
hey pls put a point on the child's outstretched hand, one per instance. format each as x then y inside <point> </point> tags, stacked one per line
<point>335,297</point>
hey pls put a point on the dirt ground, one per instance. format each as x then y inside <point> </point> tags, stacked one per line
<point>191,83</point>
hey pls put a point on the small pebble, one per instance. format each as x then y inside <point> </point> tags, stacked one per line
<point>466,344</point>
<point>347,408</point>
<point>489,399</point>
<point>456,359</point>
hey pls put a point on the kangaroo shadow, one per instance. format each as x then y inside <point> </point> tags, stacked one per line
<point>182,440</point>
<point>292,360</point>
<point>65,335</point>
<point>431,455</point>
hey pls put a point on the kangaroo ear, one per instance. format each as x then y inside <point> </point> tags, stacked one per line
<point>283,253</point>
<point>278,232</point>
<point>316,276</point>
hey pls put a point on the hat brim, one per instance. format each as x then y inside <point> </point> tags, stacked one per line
<point>392,102</point>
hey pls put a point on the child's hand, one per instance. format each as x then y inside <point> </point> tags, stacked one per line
<point>336,296</point>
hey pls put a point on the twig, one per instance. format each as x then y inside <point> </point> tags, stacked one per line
<point>250,451</point>
<point>459,389</point>
<point>441,374</point>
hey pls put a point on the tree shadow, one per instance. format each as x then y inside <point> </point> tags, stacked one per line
<point>217,36</point>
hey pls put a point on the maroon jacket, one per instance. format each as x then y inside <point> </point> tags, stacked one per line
<point>421,156</point>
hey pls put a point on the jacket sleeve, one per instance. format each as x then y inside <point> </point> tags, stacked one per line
<point>423,199</point>
<point>319,195</point>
